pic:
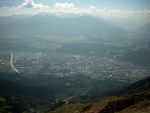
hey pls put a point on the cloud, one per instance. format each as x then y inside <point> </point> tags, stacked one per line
<point>31,4</point>
<point>64,6</point>
<point>105,9</point>
<point>61,9</point>
<point>93,8</point>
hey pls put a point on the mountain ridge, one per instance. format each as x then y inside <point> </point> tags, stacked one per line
<point>51,24</point>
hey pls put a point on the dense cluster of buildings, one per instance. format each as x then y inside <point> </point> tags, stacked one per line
<point>60,65</point>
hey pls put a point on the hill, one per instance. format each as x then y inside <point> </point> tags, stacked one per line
<point>43,91</point>
<point>135,103</point>
<point>138,86</point>
<point>14,97</point>
<point>131,103</point>
<point>145,29</point>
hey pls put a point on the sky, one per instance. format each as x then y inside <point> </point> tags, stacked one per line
<point>112,4</point>
<point>125,9</point>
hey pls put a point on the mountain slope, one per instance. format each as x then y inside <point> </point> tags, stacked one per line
<point>42,90</point>
<point>139,86</point>
<point>145,29</point>
<point>53,25</point>
<point>131,103</point>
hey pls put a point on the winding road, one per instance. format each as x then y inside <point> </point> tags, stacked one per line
<point>11,63</point>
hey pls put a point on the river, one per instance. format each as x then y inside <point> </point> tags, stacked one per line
<point>11,63</point>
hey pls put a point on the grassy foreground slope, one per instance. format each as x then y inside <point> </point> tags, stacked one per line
<point>135,103</point>
<point>134,99</point>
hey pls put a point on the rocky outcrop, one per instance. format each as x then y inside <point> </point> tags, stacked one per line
<point>87,107</point>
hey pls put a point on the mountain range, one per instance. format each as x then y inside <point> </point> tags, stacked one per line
<point>49,24</point>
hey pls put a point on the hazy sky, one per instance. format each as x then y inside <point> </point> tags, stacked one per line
<point>138,10</point>
<point>110,4</point>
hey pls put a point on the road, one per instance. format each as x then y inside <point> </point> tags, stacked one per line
<point>11,63</point>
